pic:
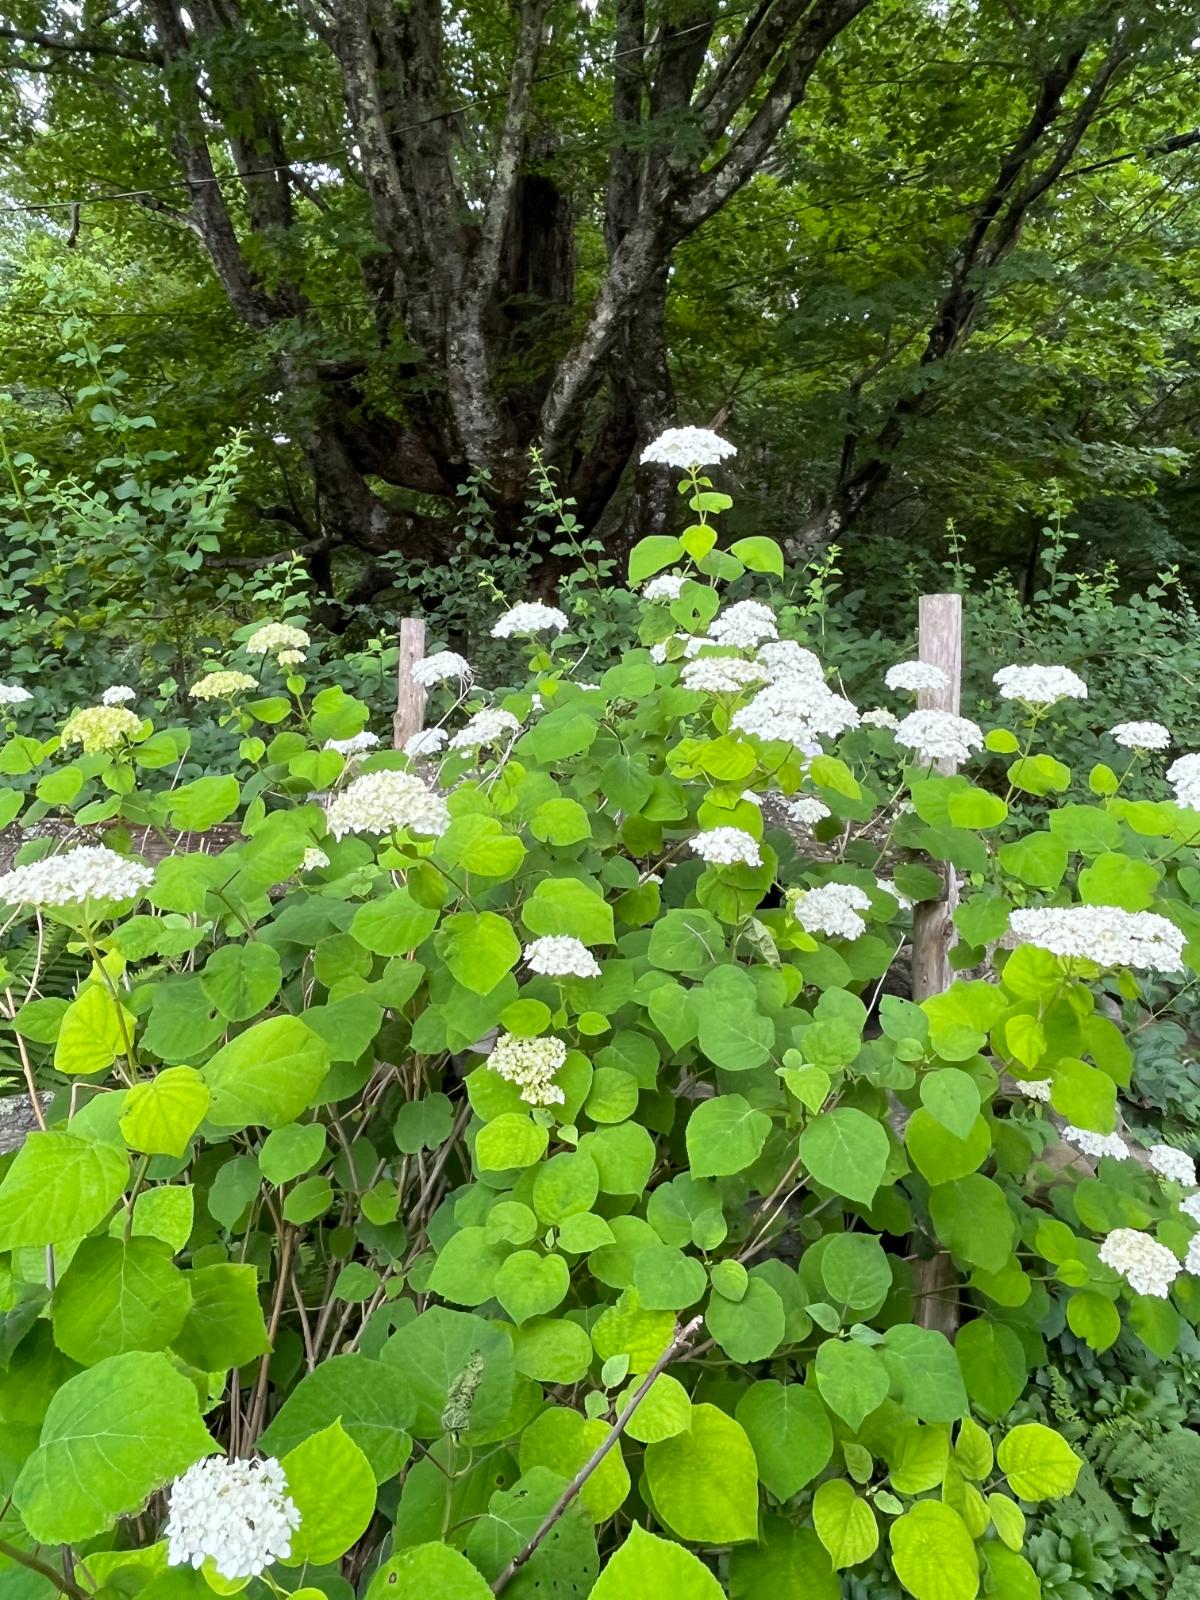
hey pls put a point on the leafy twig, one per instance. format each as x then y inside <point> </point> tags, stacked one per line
<point>675,1349</point>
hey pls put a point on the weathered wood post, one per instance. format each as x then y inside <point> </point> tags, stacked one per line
<point>940,643</point>
<point>940,623</point>
<point>410,696</point>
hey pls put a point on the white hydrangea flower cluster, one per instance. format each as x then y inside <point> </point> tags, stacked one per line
<point>100,728</point>
<point>880,717</point>
<point>939,736</point>
<point>745,625</point>
<point>12,694</point>
<point>222,685</point>
<point>784,658</point>
<point>1184,776</point>
<point>1141,735</point>
<point>489,726</point>
<point>799,709</point>
<point>692,644</point>
<point>1171,1163</point>
<point>1192,1260</point>
<point>686,448</point>
<point>236,1514</point>
<point>274,637</point>
<point>356,745</point>
<point>726,847</point>
<point>916,677</point>
<point>119,695</point>
<point>290,658</point>
<point>1147,1266</point>
<point>560,956</point>
<point>1190,1206</point>
<point>719,674</point>
<point>1039,686</point>
<point>314,858</point>
<point>426,742</point>
<point>1107,935</point>
<point>437,668</point>
<point>533,1065</point>
<point>531,616</point>
<point>1035,1088</point>
<point>666,587</point>
<point>1097,1144</point>
<point>384,802</point>
<point>89,872</point>
<point>832,909</point>
<point>807,810</point>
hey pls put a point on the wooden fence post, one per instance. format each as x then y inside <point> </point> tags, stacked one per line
<point>940,620</point>
<point>940,633</point>
<point>410,696</point>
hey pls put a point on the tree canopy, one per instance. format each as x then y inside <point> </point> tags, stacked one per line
<point>923,261</point>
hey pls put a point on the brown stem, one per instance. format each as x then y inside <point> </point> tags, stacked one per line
<point>676,1348</point>
<point>62,1584</point>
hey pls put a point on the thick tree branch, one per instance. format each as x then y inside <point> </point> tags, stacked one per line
<point>83,47</point>
<point>510,149</point>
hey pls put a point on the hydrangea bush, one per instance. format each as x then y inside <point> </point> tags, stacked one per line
<point>514,1165</point>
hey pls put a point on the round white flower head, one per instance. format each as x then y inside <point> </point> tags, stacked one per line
<point>1190,1206</point>
<point>1097,1144</point>
<point>726,847</point>
<point>1141,735</point>
<point>314,858</point>
<point>490,726</point>
<point>889,887</point>
<point>426,742</point>
<point>119,695</point>
<point>1035,1088</point>
<point>686,448</point>
<point>939,736</point>
<point>784,658</point>
<point>745,625</point>
<point>100,728</point>
<point>719,674</point>
<point>1171,1163</point>
<point>384,802</point>
<point>273,637</point>
<point>290,658</point>
<point>1107,935</point>
<point>560,956</point>
<point>1147,1266</point>
<point>89,872</point>
<point>807,810</point>
<point>1184,775</point>
<point>797,709</point>
<point>666,587</point>
<point>880,717</point>
<point>236,1514</point>
<point>531,616</point>
<point>916,677</point>
<point>1039,686</point>
<point>533,1064</point>
<point>356,745</point>
<point>832,909</point>
<point>438,668</point>
<point>222,685</point>
<point>1192,1261</point>
<point>12,694</point>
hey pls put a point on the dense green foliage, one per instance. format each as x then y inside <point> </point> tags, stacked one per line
<point>665,1325</point>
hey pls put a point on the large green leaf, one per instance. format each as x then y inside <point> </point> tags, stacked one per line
<point>372,1400</point>
<point>649,1568</point>
<point>225,1326</point>
<point>725,1135</point>
<point>567,906</point>
<point>241,979</point>
<point>705,1481</point>
<point>443,1354</point>
<point>331,1482</point>
<point>161,1114</point>
<point>116,1296</point>
<point>847,1151</point>
<point>565,1562</point>
<point>112,1435</point>
<point>790,1432</point>
<point>479,948</point>
<point>93,1032</point>
<point>852,1379</point>
<point>427,1572</point>
<point>59,1187</point>
<point>1038,1463</point>
<point>266,1076</point>
<point>933,1554</point>
<point>993,1364</point>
